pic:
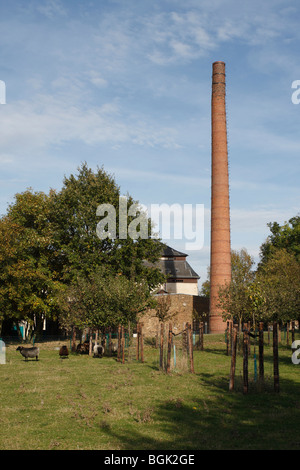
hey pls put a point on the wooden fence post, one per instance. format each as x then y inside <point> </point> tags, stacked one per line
<point>161,349</point>
<point>201,336</point>
<point>190,337</point>
<point>249,341</point>
<point>119,343</point>
<point>184,339</point>
<point>233,358</point>
<point>129,343</point>
<point>261,351</point>
<point>138,342</point>
<point>227,338</point>
<point>169,348</point>
<point>73,339</point>
<point>275,357</point>
<point>142,341</point>
<point>245,361</point>
<point>293,331</point>
<point>109,342</point>
<point>123,345</point>
<point>91,342</point>
<point>187,339</point>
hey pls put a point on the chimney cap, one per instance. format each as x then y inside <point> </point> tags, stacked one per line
<point>219,62</point>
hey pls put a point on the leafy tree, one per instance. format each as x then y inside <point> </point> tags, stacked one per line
<point>25,259</point>
<point>279,280</point>
<point>285,237</point>
<point>79,248</point>
<point>234,298</point>
<point>205,288</point>
<point>103,299</point>
<point>278,271</point>
<point>162,308</point>
<point>50,241</point>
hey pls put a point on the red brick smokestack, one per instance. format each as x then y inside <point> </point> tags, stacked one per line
<point>220,255</point>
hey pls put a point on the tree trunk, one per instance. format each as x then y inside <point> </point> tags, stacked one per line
<point>169,348</point>
<point>245,362</point>
<point>201,336</point>
<point>73,348</point>
<point>119,343</point>
<point>91,343</point>
<point>190,337</point>
<point>109,342</point>
<point>161,351</point>
<point>138,342</point>
<point>293,331</point>
<point>233,358</point>
<point>123,345</point>
<point>231,334</point>
<point>275,357</point>
<point>142,341</point>
<point>227,338</point>
<point>261,351</point>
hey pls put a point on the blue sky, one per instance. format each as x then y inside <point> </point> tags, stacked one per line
<point>127,85</point>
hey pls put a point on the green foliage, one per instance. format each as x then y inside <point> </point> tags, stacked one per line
<point>103,299</point>
<point>75,220</point>
<point>279,280</point>
<point>162,308</point>
<point>205,288</point>
<point>234,299</point>
<point>49,243</point>
<point>285,237</point>
<point>278,272</point>
<point>272,293</point>
<point>25,258</point>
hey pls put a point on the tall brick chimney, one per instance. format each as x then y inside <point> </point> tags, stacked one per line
<point>220,255</point>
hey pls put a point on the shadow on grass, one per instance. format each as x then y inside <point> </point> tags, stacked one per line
<point>217,420</point>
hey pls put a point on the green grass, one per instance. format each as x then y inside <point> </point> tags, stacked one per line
<point>87,403</point>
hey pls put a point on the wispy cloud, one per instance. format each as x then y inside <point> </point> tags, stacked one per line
<point>31,126</point>
<point>127,84</point>
<point>51,8</point>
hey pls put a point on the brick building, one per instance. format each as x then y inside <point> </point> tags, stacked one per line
<point>181,288</point>
<point>184,308</point>
<point>180,276</point>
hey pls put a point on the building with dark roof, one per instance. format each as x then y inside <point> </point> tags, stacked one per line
<point>181,278</point>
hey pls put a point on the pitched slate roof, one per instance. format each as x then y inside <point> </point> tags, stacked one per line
<point>174,268</point>
<point>170,252</point>
<point>177,269</point>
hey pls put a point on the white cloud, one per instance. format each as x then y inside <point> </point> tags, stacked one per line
<point>51,8</point>
<point>178,37</point>
<point>31,126</point>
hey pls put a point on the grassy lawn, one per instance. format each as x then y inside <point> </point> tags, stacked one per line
<point>87,403</point>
